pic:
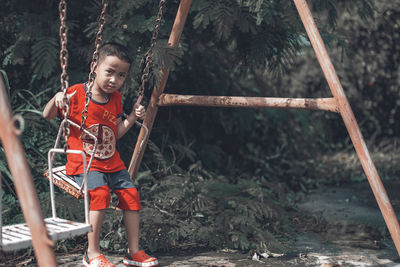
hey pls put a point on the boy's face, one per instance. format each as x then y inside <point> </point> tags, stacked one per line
<point>111,74</point>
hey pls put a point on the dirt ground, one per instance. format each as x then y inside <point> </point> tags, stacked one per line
<point>337,226</point>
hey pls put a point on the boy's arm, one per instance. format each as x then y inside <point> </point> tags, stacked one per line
<point>51,109</point>
<point>124,125</point>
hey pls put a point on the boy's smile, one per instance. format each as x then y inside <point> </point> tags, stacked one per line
<point>110,76</point>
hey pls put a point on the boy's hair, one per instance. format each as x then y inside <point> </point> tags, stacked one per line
<point>114,49</point>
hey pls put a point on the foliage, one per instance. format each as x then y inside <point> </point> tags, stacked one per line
<point>377,71</point>
<point>193,207</point>
<point>11,213</point>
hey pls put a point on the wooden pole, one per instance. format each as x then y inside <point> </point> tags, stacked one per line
<point>152,108</point>
<point>350,122</point>
<point>326,104</point>
<point>23,182</point>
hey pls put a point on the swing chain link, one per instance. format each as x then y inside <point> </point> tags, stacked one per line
<point>93,65</point>
<point>150,53</point>
<point>64,66</point>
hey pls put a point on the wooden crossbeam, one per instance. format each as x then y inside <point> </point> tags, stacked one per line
<point>326,104</point>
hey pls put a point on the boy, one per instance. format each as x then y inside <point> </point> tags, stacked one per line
<point>107,171</point>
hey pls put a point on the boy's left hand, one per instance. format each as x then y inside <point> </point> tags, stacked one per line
<point>139,111</point>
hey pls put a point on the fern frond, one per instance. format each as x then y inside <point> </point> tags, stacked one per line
<point>8,55</point>
<point>203,17</point>
<point>329,6</point>
<point>245,21</point>
<point>165,57</point>
<point>158,155</point>
<point>91,30</point>
<point>221,14</point>
<point>44,57</point>
<point>223,19</point>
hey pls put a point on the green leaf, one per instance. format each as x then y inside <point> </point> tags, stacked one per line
<point>9,52</point>
<point>6,82</point>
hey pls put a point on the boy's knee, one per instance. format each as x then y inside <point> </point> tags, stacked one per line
<point>99,198</point>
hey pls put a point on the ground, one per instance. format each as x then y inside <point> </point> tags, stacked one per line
<point>337,226</point>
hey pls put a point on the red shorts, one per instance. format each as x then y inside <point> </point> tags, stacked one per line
<point>100,184</point>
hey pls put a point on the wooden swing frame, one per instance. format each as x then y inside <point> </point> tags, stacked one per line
<point>339,103</point>
<point>23,182</point>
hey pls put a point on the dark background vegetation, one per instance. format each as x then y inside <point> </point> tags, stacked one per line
<point>215,177</point>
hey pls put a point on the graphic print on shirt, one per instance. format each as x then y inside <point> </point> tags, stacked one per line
<point>105,138</point>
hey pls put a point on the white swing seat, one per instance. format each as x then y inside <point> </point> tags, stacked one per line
<point>65,182</point>
<point>18,236</point>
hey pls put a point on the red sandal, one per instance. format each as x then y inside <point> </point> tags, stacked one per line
<point>140,259</point>
<point>98,261</point>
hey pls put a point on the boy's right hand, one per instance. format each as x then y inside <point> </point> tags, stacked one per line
<point>59,99</point>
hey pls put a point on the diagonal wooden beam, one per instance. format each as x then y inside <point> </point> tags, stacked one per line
<point>350,122</point>
<point>326,104</point>
<point>152,108</point>
<point>23,182</point>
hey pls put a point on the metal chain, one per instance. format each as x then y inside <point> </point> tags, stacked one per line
<point>93,65</point>
<point>64,65</point>
<point>150,53</point>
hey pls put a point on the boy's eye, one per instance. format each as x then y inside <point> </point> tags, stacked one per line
<point>122,75</point>
<point>109,71</point>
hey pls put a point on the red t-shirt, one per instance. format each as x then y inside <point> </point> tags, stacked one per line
<point>102,122</point>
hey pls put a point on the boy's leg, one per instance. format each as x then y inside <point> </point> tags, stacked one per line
<point>129,202</point>
<point>96,220</point>
<point>99,194</point>
<point>131,221</point>
<point>135,257</point>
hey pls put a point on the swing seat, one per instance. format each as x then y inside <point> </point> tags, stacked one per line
<point>18,236</point>
<point>65,182</point>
